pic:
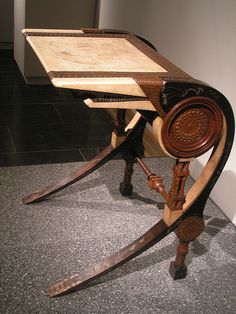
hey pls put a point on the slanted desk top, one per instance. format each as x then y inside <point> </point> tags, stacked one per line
<point>103,62</point>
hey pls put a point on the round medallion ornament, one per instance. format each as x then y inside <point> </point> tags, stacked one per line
<point>190,229</point>
<point>192,127</point>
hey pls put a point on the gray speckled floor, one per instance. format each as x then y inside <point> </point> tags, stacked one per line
<point>44,242</point>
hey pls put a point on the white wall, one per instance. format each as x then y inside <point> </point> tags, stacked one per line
<point>198,36</point>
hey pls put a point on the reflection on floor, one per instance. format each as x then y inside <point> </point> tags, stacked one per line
<point>43,124</point>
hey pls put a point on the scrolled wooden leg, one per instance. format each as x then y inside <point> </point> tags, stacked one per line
<point>186,232</point>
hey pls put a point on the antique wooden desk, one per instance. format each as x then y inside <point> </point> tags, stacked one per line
<point>188,118</point>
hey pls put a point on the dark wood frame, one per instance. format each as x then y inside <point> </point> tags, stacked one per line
<point>172,97</point>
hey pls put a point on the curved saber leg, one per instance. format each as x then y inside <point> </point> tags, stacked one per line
<point>156,233</point>
<point>151,237</point>
<point>104,156</point>
<point>108,153</point>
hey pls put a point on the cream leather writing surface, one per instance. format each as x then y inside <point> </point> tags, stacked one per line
<point>67,51</point>
<point>87,54</point>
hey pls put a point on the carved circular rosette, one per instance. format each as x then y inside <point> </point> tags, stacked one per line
<point>192,127</point>
<point>190,229</point>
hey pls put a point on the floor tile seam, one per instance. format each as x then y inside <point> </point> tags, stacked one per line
<point>30,104</point>
<point>67,102</point>
<point>58,113</point>
<point>11,138</point>
<point>19,103</point>
<point>43,151</point>
<point>82,155</point>
<point>8,82</point>
<point>75,125</point>
<point>22,126</point>
<point>10,85</point>
<point>8,71</point>
<point>50,125</point>
<point>91,148</point>
<point>48,146</point>
<point>5,54</point>
<point>47,162</point>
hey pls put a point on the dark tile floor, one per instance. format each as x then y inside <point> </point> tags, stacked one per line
<point>43,124</point>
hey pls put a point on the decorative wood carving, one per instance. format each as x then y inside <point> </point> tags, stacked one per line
<point>190,229</point>
<point>192,127</point>
<point>176,194</point>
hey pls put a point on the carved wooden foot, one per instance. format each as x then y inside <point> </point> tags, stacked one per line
<point>186,232</point>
